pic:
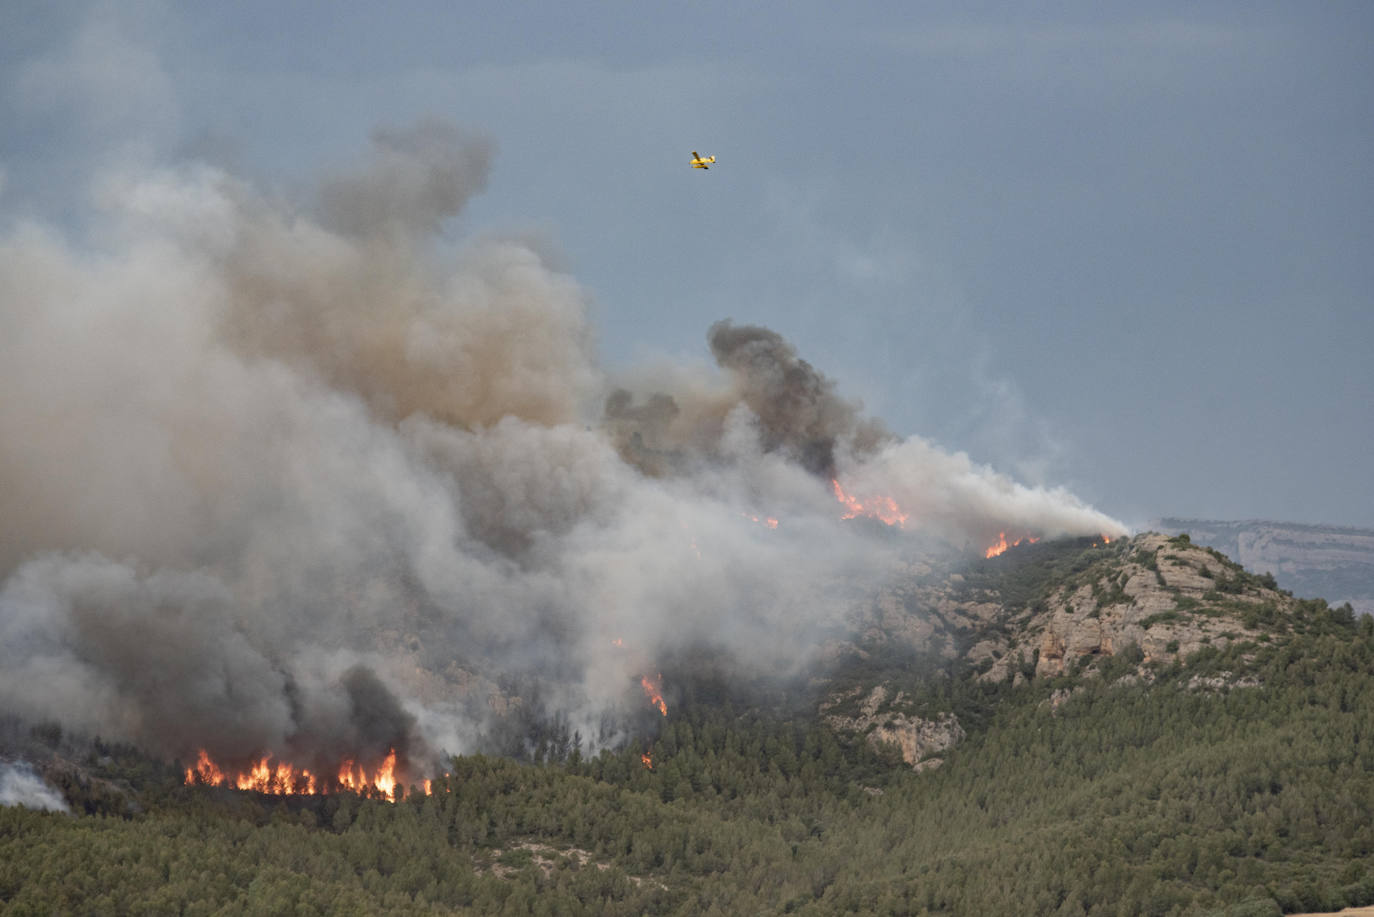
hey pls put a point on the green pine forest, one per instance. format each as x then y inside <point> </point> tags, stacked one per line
<point>1135,796</point>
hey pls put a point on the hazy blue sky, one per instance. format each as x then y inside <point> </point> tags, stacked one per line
<point>1127,248</point>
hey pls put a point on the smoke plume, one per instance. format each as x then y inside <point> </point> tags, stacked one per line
<point>308,479</point>
<point>20,786</point>
<point>795,407</point>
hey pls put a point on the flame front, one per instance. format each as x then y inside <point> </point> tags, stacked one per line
<point>280,779</point>
<point>283,779</point>
<point>647,761</point>
<point>205,771</point>
<point>884,509</point>
<point>1001,545</point>
<point>354,778</point>
<point>653,689</point>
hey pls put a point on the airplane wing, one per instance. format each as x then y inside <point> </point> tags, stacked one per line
<point>695,154</point>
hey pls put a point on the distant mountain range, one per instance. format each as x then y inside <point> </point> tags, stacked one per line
<point>1311,561</point>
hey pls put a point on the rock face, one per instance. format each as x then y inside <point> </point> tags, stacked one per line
<point>1088,607</point>
<point>881,718</point>
<point>1157,597</point>
<point>1167,598</point>
<point>1312,561</point>
<point>1152,608</point>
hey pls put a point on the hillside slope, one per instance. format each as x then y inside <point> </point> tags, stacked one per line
<point>1118,731</point>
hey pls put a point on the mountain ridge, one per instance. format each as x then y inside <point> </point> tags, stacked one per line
<point>1330,561</point>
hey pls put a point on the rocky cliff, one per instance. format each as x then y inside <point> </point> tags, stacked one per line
<point>882,717</point>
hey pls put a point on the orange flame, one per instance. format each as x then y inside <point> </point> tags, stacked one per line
<point>279,779</point>
<point>383,778</point>
<point>884,509</point>
<point>1001,545</point>
<point>653,689</point>
<point>429,785</point>
<point>283,779</point>
<point>765,520</point>
<point>647,761</point>
<point>204,772</point>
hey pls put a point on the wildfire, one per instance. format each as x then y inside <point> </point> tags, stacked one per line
<point>1002,544</point>
<point>653,689</point>
<point>428,785</point>
<point>353,777</point>
<point>206,770</point>
<point>884,509</point>
<point>283,779</point>
<point>762,520</point>
<point>647,761</point>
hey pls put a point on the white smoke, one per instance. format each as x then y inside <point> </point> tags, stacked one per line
<point>20,786</point>
<point>304,480</point>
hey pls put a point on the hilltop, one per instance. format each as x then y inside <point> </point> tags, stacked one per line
<point>1334,562</point>
<point>1062,611</point>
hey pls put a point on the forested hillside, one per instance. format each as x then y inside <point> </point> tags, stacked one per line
<point>1236,777</point>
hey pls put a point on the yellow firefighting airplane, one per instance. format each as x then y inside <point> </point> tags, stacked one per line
<point>699,163</point>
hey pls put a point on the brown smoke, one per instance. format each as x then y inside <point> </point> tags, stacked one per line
<point>363,300</point>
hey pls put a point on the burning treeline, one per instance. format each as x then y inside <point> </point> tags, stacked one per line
<point>381,780</point>
<point>324,475</point>
<point>284,779</point>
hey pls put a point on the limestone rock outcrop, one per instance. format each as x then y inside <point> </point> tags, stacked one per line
<point>881,718</point>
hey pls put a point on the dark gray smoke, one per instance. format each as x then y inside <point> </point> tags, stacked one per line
<point>310,481</point>
<point>796,407</point>
<point>794,411</point>
<point>167,655</point>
